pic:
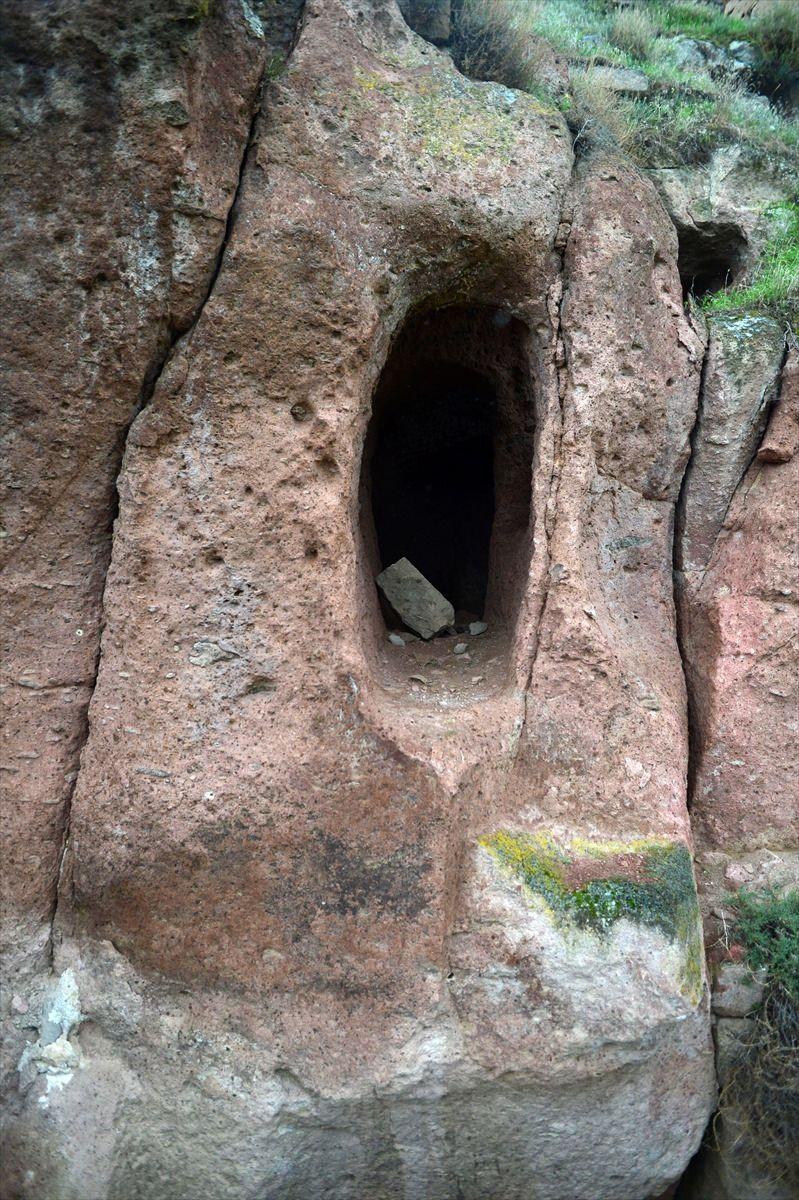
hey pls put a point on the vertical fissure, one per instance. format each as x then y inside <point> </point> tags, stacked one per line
<point>559,363</point>
<point>680,616</point>
<point>169,340</point>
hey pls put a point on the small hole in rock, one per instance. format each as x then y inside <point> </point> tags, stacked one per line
<point>711,256</point>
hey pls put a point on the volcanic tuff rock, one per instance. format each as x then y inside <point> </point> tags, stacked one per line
<point>738,600</point>
<point>317,929</point>
<point>123,139</point>
<point>737,593</point>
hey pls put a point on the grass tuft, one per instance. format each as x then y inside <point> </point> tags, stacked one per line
<point>774,287</point>
<point>759,1103</point>
<point>776,34</point>
<point>489,43</point>
<point>596,113</point>
<point>767,925</point>
<point>633,32</point>
<point>674,126</point>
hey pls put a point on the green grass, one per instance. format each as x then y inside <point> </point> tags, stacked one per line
<point>767,925</point>
<point>675,126</point>
<point>776,33</point>
<point>703,21</point>
<point>578,29</point>
<point>687,115</point>
<point>774,286</point>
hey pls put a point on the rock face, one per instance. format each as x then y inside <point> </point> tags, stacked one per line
<point>741,380</point>
<point>112,247</point>
<point>739,593</point>
<point>721,208</point>
<point>737,596</point>
<point>314,933</point>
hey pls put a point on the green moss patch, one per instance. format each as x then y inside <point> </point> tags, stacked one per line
<point>592,885</point>
<point>768,927</point>
<point>452,124</point>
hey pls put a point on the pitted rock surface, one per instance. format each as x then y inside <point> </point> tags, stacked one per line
<point>330,904</point>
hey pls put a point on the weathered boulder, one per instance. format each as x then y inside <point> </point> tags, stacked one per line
<point>736,990</point>
<point>626,80</point>
<point>323,934</point>
<point>722,206</point>
<point>123,141</point>
<point>738,602</point>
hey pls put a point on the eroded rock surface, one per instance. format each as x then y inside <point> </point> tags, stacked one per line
<point>326,932</point>
<point>739,595</point>
<point>738,606</point>
<point>123,142</point>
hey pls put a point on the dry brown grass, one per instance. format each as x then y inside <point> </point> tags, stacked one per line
<point>493,41</point>
<point>487,45</point>
<point>633,32</point>
<point>759,1104</point>
<point>598,114</point>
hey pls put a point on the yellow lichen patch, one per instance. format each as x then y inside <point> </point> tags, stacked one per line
<point>452,123</point>
<point>648,880</point>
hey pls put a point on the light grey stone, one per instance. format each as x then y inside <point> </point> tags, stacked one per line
<point>626,80</point>
<point>477,627</point>
<point>206,653</point>
<point>414,599</point>
<point>736,990</point>
<point>744,53</point>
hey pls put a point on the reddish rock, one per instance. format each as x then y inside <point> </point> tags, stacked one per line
<point>123,142</point>
<point>740,624</point>
<point>286,955</point>
<point>738,603</point>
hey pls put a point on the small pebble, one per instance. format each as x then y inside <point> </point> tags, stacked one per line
<point>418,678</point>
<point>396,640</point>
<point>477,627</point>
<point>478,678</point>
<point>460,648</point>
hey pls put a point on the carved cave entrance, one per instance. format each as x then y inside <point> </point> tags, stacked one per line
<point>433,480</point>
<point>711,256</point>
<point>447,466</point>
